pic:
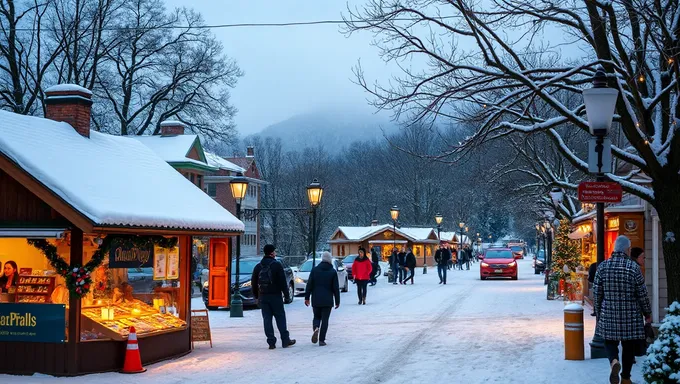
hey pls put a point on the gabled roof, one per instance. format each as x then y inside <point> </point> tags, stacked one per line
<point>110,181</point>
<point>453,237</point>
<point>354,234</point>
<point>243,162</point>
<point>220,162</point>
<point>175,149</point>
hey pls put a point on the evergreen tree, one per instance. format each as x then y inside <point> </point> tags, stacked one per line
<point>662,365</point>
<point>565,251</point>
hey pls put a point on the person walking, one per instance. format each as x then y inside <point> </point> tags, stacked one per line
<point>374,263</point>
<point>621,302</point>
<point>269,286</point>
<point>402,265</point>
<point>453,259</point>
<point>394,266</point>
<point>324,289</point>
<point>361,271</point>
<point>468,256</point>
<point>442,256</point>
<point>410,267</point>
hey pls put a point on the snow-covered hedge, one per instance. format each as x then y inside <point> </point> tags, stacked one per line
<point>662,365</point>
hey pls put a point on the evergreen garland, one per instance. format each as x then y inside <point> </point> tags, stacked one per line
<point>565,251</point>
<point>79,277</point>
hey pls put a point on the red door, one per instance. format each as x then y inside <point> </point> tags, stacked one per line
<point>220,274</point>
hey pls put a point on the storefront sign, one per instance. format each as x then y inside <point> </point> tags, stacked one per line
<point>599,192</point>
<point>122,256</point>
<point>200,326</point>
<point>43,323</point>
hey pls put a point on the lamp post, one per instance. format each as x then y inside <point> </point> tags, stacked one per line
<point>460,243</point>
<point>479,241</point>
<point>394,213</point>
<point>538,239</point>
<point>600,102</point>
<point>314,194</point>
<point>239,187</point>
<point>437,218</point>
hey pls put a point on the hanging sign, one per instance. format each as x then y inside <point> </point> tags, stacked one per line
<point>130,256</point>
<point>160,264</point>
<point>41,323</point>
<point>600,192</point>
<point>173,264</point>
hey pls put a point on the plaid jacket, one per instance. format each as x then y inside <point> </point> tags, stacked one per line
<point>620,299</point>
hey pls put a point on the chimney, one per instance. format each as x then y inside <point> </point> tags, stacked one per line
<point>374,223</point>
<point>250,152</point>
<point>71,104</point>
<point>172,127</point>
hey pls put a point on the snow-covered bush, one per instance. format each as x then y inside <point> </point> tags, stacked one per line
<point>662,365</point>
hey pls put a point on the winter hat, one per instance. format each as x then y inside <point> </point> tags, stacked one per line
<point>326,256</point>
<point>268,249</point>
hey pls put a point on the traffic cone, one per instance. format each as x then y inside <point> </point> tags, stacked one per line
<point>133,361</point>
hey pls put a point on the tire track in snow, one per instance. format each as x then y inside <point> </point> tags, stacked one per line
<point>387,368</point>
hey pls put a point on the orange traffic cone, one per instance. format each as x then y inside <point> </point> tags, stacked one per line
<point>133,361</point>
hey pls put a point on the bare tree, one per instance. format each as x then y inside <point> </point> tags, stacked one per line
<point>506,73</point>
<point>26,54</point>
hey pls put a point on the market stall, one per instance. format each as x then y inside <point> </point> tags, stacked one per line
<point>95,236</point>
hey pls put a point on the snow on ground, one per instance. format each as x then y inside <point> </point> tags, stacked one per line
<point>468,331</point>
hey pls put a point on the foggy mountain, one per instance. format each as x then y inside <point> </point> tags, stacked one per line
<point>331,129</point>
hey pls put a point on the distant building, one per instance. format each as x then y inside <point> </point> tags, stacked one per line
<point>347,240</point>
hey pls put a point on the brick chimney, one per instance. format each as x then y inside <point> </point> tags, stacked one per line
<point>250,152</point>
<point>172,127</point>
<point>374,223</point>
<point>71,104</point>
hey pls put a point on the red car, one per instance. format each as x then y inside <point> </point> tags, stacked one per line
<point>498,262</point>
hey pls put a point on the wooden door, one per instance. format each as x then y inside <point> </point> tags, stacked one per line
<point>220,273</point>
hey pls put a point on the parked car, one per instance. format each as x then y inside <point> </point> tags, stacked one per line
<point>141,280</point>
<point>306,267</point>
<point>246,267</point>
<point>498,262</point>
<point>517,251</point>
<point>539,262</point>
<point>348,261</point>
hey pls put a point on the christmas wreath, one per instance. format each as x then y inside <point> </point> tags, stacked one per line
<point>79,277</point>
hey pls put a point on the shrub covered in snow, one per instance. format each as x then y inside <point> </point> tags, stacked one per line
<point>662,365</point>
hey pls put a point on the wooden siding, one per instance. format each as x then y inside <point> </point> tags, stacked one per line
<point>19,205</point>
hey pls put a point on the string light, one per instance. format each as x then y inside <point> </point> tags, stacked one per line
<point>641,79</point>
<point>670,61</point>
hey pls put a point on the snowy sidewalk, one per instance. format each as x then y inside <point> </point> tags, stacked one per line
<point>468,331</point>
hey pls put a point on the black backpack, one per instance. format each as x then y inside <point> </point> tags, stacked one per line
<point>265,279</point>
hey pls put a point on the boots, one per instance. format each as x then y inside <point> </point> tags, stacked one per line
<point>614,373</point>
<point>626,381</point>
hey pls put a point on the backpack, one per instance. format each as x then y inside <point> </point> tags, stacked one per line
<point>265,279</point>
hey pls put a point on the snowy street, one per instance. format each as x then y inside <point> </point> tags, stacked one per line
<point>468,331</point>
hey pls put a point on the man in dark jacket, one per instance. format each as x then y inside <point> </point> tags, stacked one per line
<point>468,257</point>
<point>394,266</point>
<point>374,261</point>
<point>269,286</point>
<point>402,263</point>
<point>323,287</point>
<point>410,266</point>
<point>621,301</point>
<point>442,256</point>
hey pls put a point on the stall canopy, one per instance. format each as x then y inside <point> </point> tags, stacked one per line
<point>105,182</point>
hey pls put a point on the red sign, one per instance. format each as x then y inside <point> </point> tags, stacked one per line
<point>599,192</point>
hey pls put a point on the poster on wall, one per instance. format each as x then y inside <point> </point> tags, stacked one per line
<point>160,264</point>
<point>40,323</point>
<point>173,263</point>
<point>633,228</point>
<point>123,255</point>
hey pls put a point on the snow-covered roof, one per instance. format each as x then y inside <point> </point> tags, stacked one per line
<point>174,148</point>
<point>112,180</point>
<point>449,236</point>
<point>360,233</point>
<point>221,163</point>
<point>68,88</point>
<point>416,233</point>
<point>363,233</point>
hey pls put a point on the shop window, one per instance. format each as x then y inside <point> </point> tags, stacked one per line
<point>199,181</point>
<point>192,177</point>
<point>139,288</point>
<point>212,189</point>
<point>27,279</point>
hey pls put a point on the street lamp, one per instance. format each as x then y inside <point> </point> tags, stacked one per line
<point>314,194</point>
<point>460,241</point>
<point>600,102</point>
<point>394,213</point>
<point>239,187</point>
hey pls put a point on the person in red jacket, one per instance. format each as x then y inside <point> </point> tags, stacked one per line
<point>361,271</point>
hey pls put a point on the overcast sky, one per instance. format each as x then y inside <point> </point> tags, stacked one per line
<point>289,70</point>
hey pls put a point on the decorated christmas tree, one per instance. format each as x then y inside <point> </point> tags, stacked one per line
<point>565,252</point>
<point>662,365</point>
